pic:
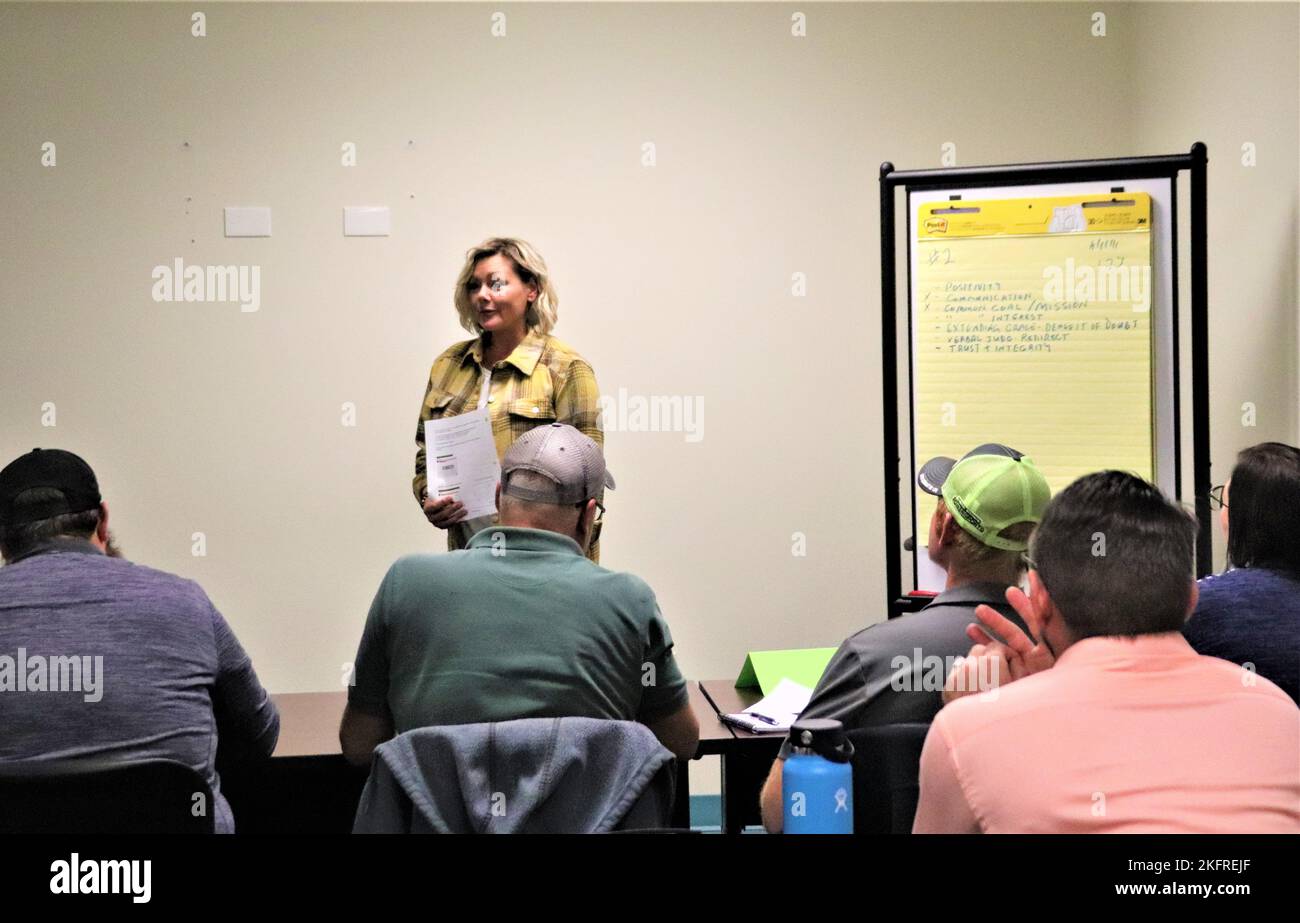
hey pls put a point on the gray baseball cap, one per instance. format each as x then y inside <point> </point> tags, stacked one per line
<point>561,454</point>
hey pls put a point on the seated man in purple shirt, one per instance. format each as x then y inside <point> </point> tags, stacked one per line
<point>104,659</point>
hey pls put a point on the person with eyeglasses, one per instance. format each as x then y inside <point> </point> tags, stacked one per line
<point>519,624</point>
<point>1250,614</point>
<point>1102,718</point>
<point>513,368</point>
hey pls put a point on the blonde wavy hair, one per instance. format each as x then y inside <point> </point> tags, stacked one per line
<point>528,264</point>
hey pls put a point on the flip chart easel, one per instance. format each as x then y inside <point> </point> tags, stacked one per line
<point>1042,311</point>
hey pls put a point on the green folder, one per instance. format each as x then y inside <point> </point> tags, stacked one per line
<point>765,669</point>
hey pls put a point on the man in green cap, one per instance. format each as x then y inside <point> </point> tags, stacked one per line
<point>893,672</point>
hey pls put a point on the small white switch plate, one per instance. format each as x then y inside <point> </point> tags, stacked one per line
<point>248,221</point>
<point>367,221</point>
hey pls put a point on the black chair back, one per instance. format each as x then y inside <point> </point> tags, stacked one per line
<point>103,797</point>
<point>886,771</point>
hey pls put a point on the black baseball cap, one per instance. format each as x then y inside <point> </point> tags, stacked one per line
<point>934,472</point>
<point>53,469</point>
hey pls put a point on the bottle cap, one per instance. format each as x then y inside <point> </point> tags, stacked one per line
<point>823,736</point>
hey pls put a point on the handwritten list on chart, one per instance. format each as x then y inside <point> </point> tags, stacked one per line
<point>1031,325</point>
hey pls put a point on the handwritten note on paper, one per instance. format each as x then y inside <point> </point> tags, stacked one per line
<point>1032,327</point>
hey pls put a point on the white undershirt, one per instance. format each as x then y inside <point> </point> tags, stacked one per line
<point>485,387</point>
<point>468,527</point>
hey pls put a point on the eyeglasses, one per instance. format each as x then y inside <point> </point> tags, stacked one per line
<point>1031,564</point>
<point>596,523</point>
<point>1216,498</point>
<point>600,512</point>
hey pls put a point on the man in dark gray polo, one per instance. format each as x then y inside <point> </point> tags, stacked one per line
<point>893,672</point>
<point>104,659</point>
<point>519,623</point>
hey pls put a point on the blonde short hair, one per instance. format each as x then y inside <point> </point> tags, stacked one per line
<point>528,264</point>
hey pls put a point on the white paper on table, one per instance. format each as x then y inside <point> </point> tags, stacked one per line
<point>461,459</point>
<point>779,709</point>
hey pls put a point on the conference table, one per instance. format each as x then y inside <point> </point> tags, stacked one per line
<point>307,786</point>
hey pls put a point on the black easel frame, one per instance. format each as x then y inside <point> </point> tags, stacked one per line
<point>1070,171</point>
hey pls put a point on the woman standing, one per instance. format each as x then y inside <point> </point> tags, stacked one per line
<point>514,367</point>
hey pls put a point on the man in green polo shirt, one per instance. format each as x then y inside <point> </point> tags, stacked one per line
<point>519,624</point>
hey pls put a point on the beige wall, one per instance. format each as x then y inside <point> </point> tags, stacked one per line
<point>1230,74</point>
<point>674,280</point>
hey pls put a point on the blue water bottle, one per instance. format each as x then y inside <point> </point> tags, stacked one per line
<point>817,782</point>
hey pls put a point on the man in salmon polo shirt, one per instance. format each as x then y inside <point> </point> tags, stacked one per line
<point>1111,723</point>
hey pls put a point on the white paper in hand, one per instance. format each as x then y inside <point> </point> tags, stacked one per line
<point>461,458</point>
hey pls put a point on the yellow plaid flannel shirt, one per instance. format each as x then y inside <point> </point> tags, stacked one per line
<point>543,381</point>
